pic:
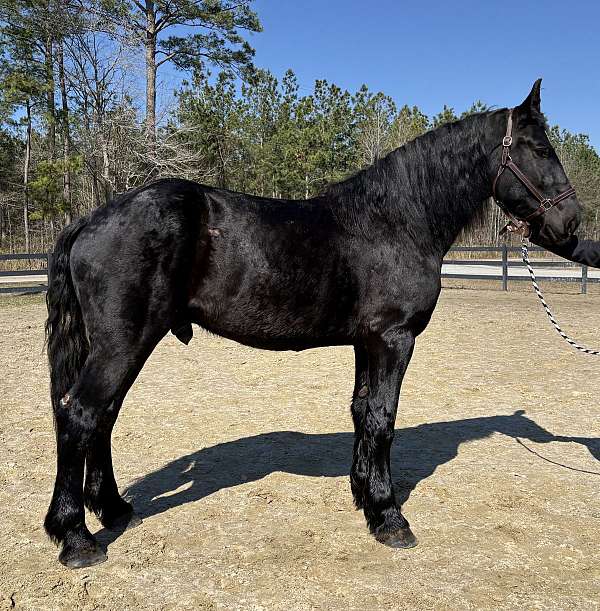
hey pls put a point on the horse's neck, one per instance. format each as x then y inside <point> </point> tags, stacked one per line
<point>459,167</point>
<point>427,190</point>
<point>446,175</point>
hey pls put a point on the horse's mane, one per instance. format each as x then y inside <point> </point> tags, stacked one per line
<point>418,182</point>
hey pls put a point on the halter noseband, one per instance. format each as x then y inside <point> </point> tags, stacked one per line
<point>546,203</point>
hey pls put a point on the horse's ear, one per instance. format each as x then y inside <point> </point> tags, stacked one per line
<point>531,105</point>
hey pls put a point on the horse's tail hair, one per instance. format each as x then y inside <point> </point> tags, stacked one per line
<point>66,337</point>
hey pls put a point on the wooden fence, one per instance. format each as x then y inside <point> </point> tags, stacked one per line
<point>22,283</point>
<point>504,277</point>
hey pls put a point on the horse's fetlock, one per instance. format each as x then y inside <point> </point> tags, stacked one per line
<point>60,522</point>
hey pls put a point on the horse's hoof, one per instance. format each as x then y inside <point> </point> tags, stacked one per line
<point>403,538</point>
<point>124,522</point>
<point>81,557</point>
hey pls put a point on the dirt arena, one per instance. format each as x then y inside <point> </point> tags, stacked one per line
<point>238,461</point>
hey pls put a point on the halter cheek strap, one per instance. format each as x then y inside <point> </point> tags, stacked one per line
<point>546,203</point>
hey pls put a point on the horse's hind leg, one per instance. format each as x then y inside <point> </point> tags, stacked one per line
<point>86,410</point>
<point>101,493</point>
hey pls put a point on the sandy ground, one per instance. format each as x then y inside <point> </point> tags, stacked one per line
<point>238,462</point>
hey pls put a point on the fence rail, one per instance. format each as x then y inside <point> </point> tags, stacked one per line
<point>504,277</point>
<point>23,284</point>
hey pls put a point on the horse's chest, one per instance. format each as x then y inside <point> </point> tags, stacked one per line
<point>406,294</point>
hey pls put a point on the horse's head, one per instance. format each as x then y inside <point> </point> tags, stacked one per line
<point>529,180</point>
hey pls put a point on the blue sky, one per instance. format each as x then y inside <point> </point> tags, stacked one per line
<point>432,53</point>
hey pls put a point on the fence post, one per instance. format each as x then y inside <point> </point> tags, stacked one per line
<point>504,267</point>
<point>48,263</point>
<point>584,277</point>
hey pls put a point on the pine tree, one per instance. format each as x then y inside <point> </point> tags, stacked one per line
<point>447,115</point>
<point>190,34</point>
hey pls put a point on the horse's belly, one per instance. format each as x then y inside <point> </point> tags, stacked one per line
<point>271,319</point>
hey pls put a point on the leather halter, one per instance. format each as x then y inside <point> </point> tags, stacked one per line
<point>546,203</point>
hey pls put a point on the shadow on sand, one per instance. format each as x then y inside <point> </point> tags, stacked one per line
<point>416,454</point>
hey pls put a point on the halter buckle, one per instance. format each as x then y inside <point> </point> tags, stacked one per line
<point>517,226</point>
<point>546,204</point>
<point>507,141</point>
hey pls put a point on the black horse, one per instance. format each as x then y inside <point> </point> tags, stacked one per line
<point>359,265</point>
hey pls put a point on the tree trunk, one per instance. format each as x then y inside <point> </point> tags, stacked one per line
<point>108,190</point>
<point>10,233</point>
<point>26,176</point>
<point>65,135</point>
<point>50,107</point>
<point>150,44</point>
<point>223,174</point>
<point>95,190</point>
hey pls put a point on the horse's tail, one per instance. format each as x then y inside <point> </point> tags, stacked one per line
<point>65,330</point>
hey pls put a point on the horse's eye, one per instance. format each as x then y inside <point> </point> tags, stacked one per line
<point>542,152</point>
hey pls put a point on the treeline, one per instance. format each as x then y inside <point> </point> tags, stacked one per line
<point>74,131</point>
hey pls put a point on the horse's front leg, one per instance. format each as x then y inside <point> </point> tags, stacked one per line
<point>389,355</point>
<point>358,474</point>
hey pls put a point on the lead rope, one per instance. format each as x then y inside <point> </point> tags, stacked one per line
<point>538,292</point>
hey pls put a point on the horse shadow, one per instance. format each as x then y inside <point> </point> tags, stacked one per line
<point>416,453</point>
